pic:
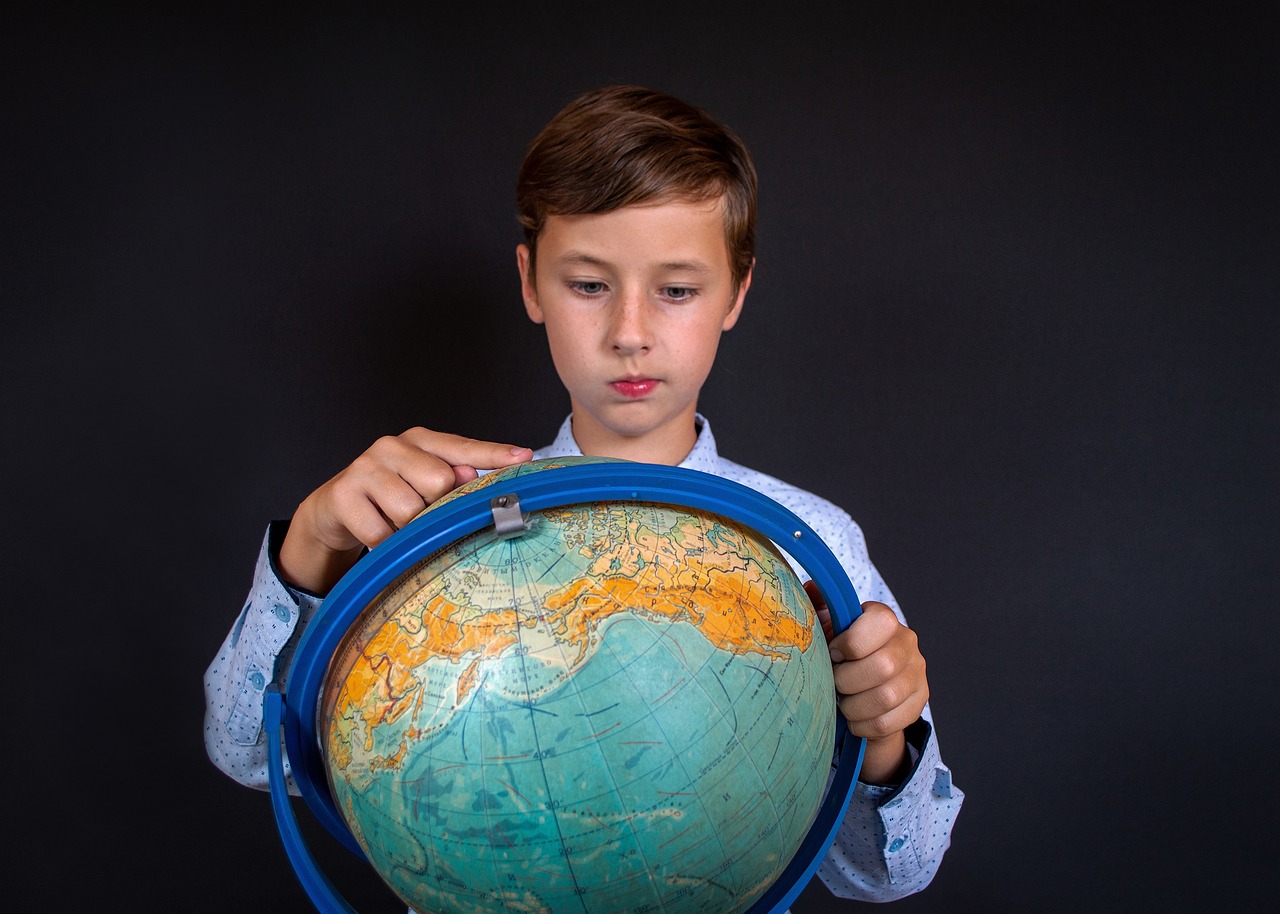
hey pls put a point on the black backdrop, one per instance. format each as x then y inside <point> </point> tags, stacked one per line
<point>1014,308</point>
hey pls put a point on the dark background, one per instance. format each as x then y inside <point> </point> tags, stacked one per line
<point>1015,309</point>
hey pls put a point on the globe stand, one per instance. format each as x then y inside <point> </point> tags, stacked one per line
<point>295,712</point>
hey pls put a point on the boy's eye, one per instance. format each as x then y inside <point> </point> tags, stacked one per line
<point>587,287</point>
<point>679,293</point>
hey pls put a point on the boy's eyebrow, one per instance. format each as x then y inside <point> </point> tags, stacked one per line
<point>687,266</point>
<point>581,257</point>
<point>691,266</point>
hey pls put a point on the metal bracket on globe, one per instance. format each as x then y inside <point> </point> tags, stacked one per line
<point>296,712</point>
<point>508,520</point>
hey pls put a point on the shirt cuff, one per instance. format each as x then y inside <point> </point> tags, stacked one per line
<point>257,644</point>
<point>906,810</point>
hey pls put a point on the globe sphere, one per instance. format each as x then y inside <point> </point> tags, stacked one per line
<point>624,707</point>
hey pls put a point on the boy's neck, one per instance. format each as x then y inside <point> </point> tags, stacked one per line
<point>668,445</point>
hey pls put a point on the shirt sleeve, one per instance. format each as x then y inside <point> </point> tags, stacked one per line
<point>892,840</point>
<point>255,653</point>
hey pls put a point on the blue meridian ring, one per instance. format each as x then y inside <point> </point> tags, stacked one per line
<point>467,514</point>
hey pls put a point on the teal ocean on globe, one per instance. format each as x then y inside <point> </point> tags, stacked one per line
<point>627,707</point>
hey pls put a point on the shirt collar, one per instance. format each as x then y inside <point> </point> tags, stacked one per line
<point>704,455</point>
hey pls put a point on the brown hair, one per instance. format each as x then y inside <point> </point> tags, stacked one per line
<point>627,145</point>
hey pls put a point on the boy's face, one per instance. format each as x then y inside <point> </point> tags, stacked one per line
<point>634,302</point>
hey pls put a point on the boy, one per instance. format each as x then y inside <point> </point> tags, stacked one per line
<point>639,218</point>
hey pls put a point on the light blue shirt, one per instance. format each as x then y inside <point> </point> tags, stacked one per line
<point>892,838</point>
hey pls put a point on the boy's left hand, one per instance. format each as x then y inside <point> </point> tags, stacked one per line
<point>881,683</point>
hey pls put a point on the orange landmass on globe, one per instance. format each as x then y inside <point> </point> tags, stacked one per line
<point>382,683</point>
<point>726,593</point>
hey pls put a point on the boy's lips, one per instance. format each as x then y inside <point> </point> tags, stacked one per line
<point>634,388</point>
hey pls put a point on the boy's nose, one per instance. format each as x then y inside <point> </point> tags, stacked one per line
<point>629,329</point>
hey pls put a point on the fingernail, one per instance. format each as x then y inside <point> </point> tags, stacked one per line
<point>517,451</point>
<point>836,656</point>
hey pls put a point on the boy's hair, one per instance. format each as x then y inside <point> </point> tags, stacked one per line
<point>627,145</point>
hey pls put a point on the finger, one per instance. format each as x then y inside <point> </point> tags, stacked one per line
<point>389,464</point>
<point>398,499</point>
<point>459,451</point>
<point>394,502</point>
<point>428,475</point>
<point>866,634</point>
<point>820,607</point>
<point>357,513</point>
<point>884,710</point>
<point>897,663</point>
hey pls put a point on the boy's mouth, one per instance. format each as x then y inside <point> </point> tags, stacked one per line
<point>634,388</point>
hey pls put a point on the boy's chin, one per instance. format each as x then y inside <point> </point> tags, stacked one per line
<point>636,431</point>
<point>636,419</point>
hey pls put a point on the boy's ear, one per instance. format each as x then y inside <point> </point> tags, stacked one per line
<point>736,308</point>
<point>528,290</point>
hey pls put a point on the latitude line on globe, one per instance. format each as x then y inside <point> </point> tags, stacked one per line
<point>533,726</point>
<point>505,551</point>
<point>627,819</point>
<point>715,528</point>
<point>647,867</point>
<point>766,673</point>
<point>667,644</point>
<point>475,547</point>
<point>661,642</point>
<point>730,536</point>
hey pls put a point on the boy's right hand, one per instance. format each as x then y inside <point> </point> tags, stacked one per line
<point>382,490</point>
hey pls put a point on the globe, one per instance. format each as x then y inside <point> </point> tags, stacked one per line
<point>608,706</point>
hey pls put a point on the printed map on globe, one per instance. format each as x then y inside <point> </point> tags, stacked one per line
<point>627,707</point>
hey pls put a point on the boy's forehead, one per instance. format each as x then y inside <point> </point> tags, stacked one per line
<point>684,231</point>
